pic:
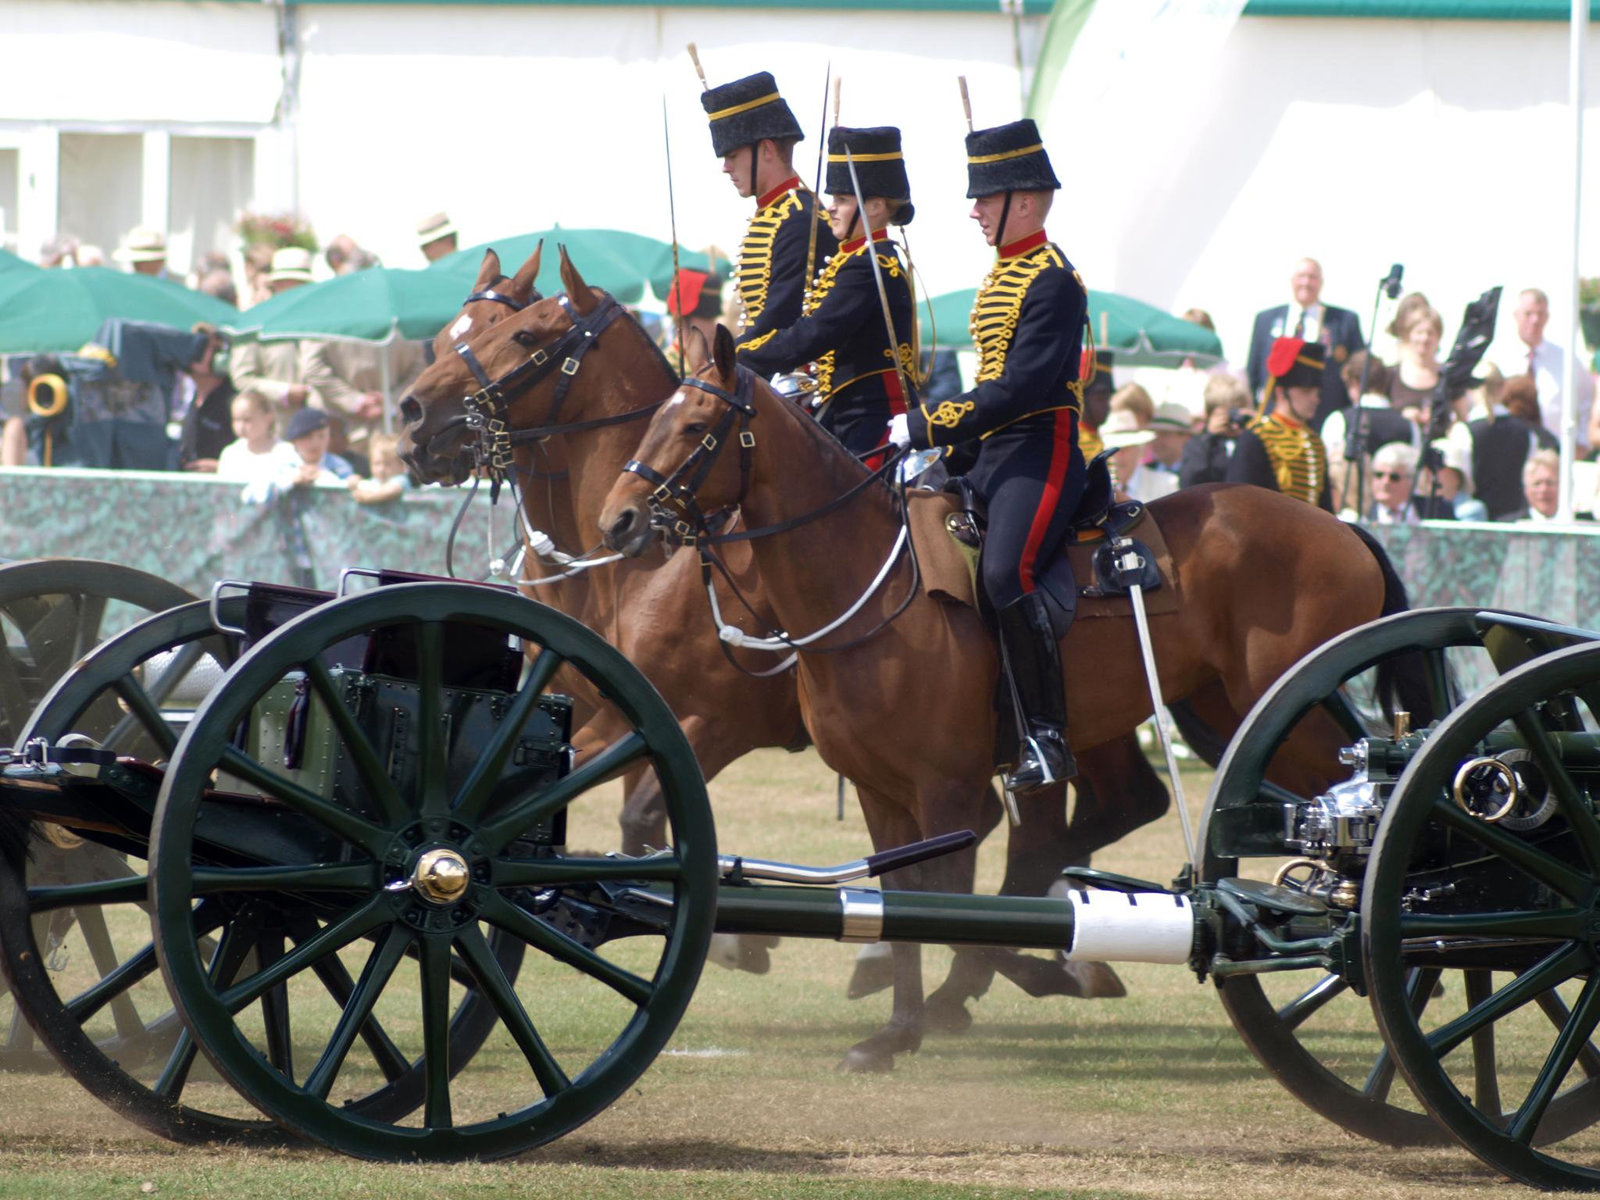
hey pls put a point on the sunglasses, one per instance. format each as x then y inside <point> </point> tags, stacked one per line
<point>1392,476</point>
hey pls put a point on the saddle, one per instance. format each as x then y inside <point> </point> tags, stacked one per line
<point>947,531</point>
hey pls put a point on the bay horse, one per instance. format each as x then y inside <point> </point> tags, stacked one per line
<point>906,710</point>
<point>655,610</point>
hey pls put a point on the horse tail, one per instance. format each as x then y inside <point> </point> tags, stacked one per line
<point>1402,679</point>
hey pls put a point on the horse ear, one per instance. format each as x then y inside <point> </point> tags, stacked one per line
<point>528,273</point>
<point>722,350</point>
<point>582,299</point>
<point>489,272</point>
<point>697,351</point>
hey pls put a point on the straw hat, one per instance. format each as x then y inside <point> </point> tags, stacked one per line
<point>433,227</point>
<point>1121,430</point>
<point>290,263</point>
<point>1171,417</point>
<point>142,245</point>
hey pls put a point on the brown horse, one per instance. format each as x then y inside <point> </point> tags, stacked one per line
<point>906,712</point>
<point>655,610</point>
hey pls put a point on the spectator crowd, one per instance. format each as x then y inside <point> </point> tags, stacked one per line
<point>1394,442</point>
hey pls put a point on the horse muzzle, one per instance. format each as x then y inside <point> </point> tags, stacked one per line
<point>628,530</point>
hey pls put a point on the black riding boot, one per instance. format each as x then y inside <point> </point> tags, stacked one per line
<point>1030,653</point>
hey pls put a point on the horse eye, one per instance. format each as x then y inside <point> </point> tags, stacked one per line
<point>695,427</point>
<point>523,338</point>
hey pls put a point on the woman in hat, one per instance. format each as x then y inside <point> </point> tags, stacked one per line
<point>1023,411</point>
<point>861,382</point>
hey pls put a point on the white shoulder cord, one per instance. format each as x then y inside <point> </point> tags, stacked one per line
<point>735,636</point>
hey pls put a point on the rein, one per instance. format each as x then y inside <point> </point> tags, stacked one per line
<point>674,508</point>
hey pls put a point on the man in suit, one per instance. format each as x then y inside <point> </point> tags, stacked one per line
<point>1337,330</point>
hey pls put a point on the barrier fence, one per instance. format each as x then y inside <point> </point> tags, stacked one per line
<point>194,530</point>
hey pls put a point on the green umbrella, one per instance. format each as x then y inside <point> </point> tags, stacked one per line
<point>10,262</point>
<point>372,305</point>
<point>613,259</point>
<point>43,311</point>
<point>1140,334</point>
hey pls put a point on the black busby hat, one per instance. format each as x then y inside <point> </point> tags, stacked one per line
<point>1096,372</point>
<point>1294,362</point>
<point>747,110</point>
<point>879,163</point>
<point>1008,158</point>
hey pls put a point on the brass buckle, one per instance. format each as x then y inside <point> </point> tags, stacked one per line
<point>570,367</point>
<point>662,493</point>
<point>539,357</point>
<point>747,439</point>
<point>709,441</point>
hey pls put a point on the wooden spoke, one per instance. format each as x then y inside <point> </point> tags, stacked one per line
<point>1560,923</point>
<point>1573,805</point>
<point>518,818</point>
<point>374,775</point>
<point>329,940</point>
<point>1546,868</point>
<point>1311,1001</point>
<point>435,973</point>
<point>307,877</point>
<point>342,821</point>
<point>1485,1072</point>
<point>433,752</point>
<point>275,1009</point>
<point>357,1003</point>
<point>1573,1037</point>
<point>130,889</point>
<point>486,772</point>
<point>501,912</point>
<point>1557,967</point>
<point>92,924</point>
<point>494,984</point>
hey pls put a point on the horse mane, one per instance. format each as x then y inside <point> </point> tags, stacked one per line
<point>829,448</point>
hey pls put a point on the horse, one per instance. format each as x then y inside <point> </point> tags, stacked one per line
<point>904,709</point>
<point>655,610</point>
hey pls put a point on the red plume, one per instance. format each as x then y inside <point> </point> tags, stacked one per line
<point>1284,352</point>
<point>1086,367</point>
<point>689,284</point>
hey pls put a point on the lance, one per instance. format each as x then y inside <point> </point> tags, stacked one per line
<point>877,276</point>
<point>672,216</point>
<point>816,191</point>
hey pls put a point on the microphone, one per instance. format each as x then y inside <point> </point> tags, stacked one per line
<point>1391,281</point>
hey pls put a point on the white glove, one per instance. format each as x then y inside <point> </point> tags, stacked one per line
<point>899,430</point>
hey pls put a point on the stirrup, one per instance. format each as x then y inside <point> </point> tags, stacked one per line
<point>1040,765</point>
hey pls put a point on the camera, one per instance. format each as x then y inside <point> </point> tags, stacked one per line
<point>1240,417</point>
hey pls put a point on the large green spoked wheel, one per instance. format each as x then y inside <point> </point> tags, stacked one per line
<point>1510,1065</point>
<point>612,965</point>
<point>75,937</point>
<point>53,611</point>
<point>1308,1028</point>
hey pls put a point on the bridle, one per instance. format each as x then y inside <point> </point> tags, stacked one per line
<point>675,510</point>
<point>674,507</point>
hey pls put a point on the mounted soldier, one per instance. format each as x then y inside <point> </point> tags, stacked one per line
<point>1280,449</point>
<point>754,132</point>
<point>861,380</point>
<point>1028,324</point>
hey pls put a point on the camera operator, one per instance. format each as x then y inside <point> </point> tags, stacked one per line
<point>1227,409</point>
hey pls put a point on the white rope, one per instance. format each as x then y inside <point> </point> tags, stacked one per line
<point>735,636</point>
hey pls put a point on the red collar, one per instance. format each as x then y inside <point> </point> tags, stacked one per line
<point>1289,419</point>
<point>854,244</point>
<point>1022,245</point>
<point>792,182</point>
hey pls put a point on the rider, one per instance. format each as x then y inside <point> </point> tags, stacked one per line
<point>754,132</point>
<point>1280,450</point>
<point>861,382</point>
<point>1028,325</point>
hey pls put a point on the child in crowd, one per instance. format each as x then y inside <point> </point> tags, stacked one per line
<point>308,433</point>
<point>388,473</point>
<point>257,459</point>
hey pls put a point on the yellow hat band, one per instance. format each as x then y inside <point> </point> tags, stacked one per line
<point>1004,154</point>
<point>886,157</point>
<point>745,107</point>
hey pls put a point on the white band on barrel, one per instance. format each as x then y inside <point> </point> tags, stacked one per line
<point>1153,927</point>
<point>863,914</point>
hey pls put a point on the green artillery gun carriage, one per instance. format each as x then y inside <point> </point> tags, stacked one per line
<point>321,858</point>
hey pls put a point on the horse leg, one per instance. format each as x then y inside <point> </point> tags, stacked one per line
<point>970,973</point>
<point>892,825</point>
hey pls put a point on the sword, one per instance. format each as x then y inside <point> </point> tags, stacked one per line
<point>877,277</point>
<point>1129,566</point>
<point>672,215</point>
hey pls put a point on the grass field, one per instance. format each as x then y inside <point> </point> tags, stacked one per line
<point>1152,1095</point>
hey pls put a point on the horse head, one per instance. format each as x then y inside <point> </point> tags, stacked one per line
<point>679,472</point>
<point>512,374</point>
<point>494,298</point>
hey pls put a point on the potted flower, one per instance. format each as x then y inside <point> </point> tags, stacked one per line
<point>276,230</point>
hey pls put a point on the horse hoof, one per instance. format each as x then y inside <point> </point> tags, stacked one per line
<point>740,952</point>
<point>871,975</point>
<point>859,1061</point>
<point>1095,981</point>
<point>945,1016</point>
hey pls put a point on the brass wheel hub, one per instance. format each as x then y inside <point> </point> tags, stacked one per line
<point>441,875</point>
